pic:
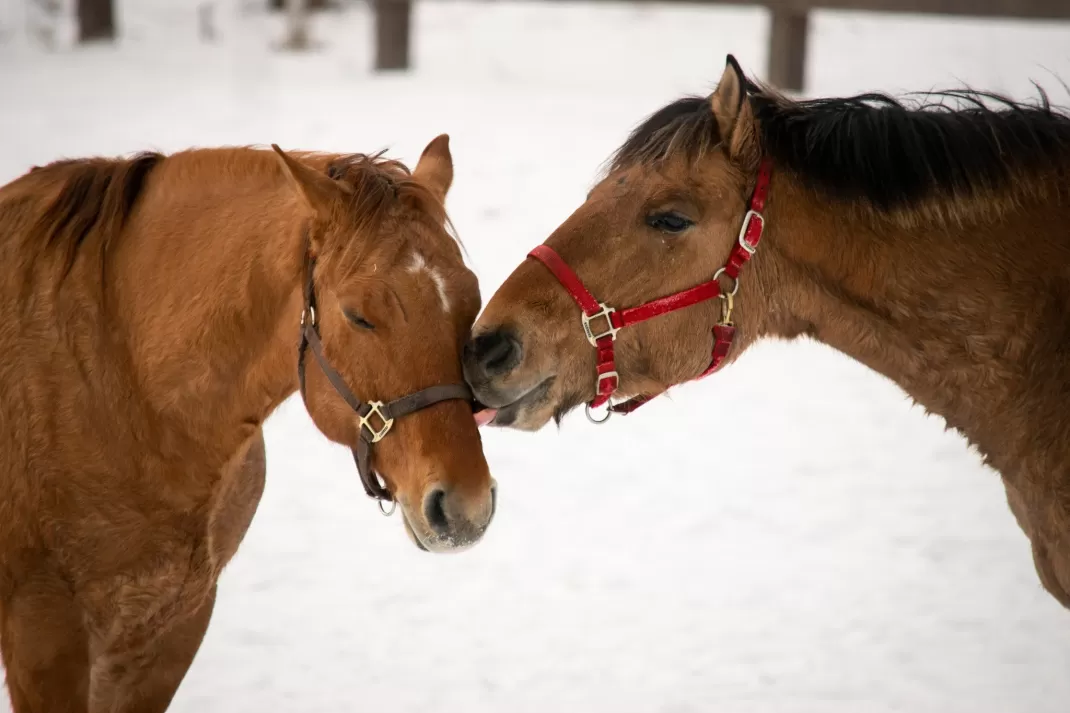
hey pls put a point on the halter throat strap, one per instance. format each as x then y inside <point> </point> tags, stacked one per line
<point>601,322</point>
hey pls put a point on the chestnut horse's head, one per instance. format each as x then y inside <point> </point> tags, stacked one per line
<point>664,219</point>
<point>394,303</point>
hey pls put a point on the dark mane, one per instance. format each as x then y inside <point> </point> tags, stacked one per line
<point>685,126</point>
<point>874,147</point>
<point>97,194</point>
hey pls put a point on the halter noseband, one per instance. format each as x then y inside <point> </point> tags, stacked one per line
<point>376,417</point>
<point>611,320</point>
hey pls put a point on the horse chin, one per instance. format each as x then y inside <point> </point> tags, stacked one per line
<point>523,417</point>
<point>530,412</point>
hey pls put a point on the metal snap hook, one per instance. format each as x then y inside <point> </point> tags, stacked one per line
<point>727,305</point>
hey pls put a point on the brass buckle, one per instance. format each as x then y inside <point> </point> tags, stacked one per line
<point>727,304</point>
<point>376,410</point>
<point>611,331</point>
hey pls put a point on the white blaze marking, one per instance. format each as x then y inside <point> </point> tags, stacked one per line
<point>419,264</point>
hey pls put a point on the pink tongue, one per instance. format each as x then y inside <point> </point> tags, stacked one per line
<point>485,416</point>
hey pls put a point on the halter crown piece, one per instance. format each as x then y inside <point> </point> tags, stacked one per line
<point>601,322</point>
<point>375,418</point>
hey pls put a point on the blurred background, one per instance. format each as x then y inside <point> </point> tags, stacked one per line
<point>788,535</point>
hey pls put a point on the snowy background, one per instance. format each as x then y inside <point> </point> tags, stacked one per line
<point>844,553</point>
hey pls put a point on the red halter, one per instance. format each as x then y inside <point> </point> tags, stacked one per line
<point>613,320</point>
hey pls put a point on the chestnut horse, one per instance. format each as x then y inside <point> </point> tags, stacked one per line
<point>930,243</point>
<point>154,312</point>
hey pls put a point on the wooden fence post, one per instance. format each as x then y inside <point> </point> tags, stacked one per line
<point>96,20</point>
<point>310,4</point>
<point>787,49</point>
<point>393,28</point>
<point>297,37</point>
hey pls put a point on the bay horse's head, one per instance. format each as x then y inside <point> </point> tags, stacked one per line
<point>665,219</point>
<point>392,304</point>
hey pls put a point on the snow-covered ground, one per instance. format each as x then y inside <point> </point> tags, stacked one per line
<point>790,535</point>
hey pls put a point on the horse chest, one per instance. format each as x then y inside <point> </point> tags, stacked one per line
<point>237,501</point>
<point>169,573</point>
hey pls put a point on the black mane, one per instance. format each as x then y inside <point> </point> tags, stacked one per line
<point>97,194</point>
<point>875,147</point>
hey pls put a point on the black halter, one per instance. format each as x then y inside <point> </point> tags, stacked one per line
<point>376,418</point>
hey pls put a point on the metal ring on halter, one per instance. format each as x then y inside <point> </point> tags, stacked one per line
<point>592,419</point>
<point>393,507</point>
<point>735,282</point>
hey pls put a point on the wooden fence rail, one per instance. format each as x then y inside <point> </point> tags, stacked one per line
<point>787,32</point>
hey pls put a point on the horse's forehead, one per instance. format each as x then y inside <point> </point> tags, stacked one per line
<point>430,253</point>
<point>441,269</point>
<point>636,182</point>
<point>426,269</point>
<point>616,185</point>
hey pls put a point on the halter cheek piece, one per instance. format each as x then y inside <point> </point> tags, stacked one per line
<point>376,418</point>
<point>601,322</point>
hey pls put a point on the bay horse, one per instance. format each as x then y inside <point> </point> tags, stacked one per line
<point>155,310</point>
<point>930,243</point>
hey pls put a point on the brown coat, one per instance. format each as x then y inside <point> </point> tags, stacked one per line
<point>931,244</point>
<point>149,315</point>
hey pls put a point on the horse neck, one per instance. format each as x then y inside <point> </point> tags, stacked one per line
<point>953,310</point>
<point>210,288</point>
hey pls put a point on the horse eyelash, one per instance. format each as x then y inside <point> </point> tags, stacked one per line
<point>654,219</point>
<point>358,320</point>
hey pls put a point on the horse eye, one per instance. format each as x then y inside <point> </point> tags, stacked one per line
<point>670,222</point>
<point>358,320</point>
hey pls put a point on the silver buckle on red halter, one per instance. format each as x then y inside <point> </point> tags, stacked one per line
<point>750,215</point>
<point>610,331</point>
<point>608,375</point>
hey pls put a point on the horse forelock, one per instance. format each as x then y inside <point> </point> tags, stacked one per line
<point>378,185</point>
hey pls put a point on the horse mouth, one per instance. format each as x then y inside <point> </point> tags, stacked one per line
<point>412,533</point>
<point>506,415</point>
<point>483,414</point>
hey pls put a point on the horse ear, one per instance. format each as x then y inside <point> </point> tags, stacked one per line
<point>318,191</point>
<point>435,167</point>
<point>728,103</point>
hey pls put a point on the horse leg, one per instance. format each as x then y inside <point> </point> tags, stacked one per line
<point>146,681</point>
<point>45,648</point>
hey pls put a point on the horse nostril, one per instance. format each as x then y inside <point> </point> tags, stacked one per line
<point>435,511</point>
<point>497,352</point>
